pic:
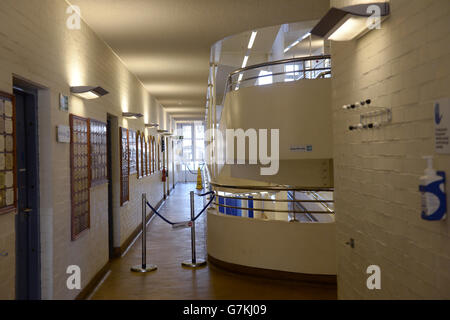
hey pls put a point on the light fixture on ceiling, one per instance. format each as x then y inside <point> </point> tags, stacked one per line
<point>151,125</point>
<point>351,22</point>
<point>88,92</point>
<point>132,115</point>
<point>244,63</point>
<point>296,42</point>
<point>252,39</point>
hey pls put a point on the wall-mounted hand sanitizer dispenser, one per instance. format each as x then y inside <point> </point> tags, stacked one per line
<point>432,188</point>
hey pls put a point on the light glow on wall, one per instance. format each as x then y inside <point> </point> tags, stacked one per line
<point>75,78</point>
<point>124,103</point>
<point>77,106</point>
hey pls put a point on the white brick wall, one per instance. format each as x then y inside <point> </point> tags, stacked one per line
<point>406,66</point>
<point>36,45</point>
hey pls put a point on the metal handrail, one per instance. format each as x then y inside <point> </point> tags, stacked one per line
<point>322,202</point>
<point>325,72</point>
<point>229,82</point>
<point>217,187</point>
<point>278,62</point>
<point>271,188</point>
<point>271,200</point>
<point>322,74</point>
<point>311,218</point>
<point>269,210</point>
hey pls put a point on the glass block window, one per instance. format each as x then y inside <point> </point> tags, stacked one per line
<point>138,155</point>
<point>8,198</point>
<point>80,174</point>
<point>124,167</point>
<point>147,172</point>
<point>150,149</point>
<point>154,154</point>
<point>133,157</point>
<point>99,172</point>
<point>142,168</point>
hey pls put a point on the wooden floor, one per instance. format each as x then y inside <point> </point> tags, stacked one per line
<point>168,249</point>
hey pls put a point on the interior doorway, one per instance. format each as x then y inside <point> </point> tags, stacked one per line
<point>111,124</point>
<point>28,266</point>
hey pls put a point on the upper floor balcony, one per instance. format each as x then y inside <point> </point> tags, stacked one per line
<point>280,71</point>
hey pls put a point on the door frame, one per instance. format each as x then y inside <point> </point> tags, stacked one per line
<point>110,141</point>
<point>34,284</point>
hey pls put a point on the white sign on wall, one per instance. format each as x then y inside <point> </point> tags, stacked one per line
<point>442,126</point>
<point>63,103</point>
<point>63,134</point>
<point>301,148</point>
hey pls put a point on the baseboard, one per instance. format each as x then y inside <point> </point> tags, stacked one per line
<point>90,287</point>
<point>323,280</point>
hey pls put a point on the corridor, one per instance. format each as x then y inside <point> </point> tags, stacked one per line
<point>167,249</point>
<point>321,127</point>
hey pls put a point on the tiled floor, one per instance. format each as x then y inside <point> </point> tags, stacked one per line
<point>168,249</point>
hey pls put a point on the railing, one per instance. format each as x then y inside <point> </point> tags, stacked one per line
<point>286,70</point>
<point>296,202</point>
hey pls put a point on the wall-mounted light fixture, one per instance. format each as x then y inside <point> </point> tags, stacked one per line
<point>132,115</point>
<point>88,92</point>
<point>348,23</point>
<point>151,125</point>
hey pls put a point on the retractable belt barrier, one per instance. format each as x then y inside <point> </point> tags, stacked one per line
<point>192,220</point>
<point>194,262</point>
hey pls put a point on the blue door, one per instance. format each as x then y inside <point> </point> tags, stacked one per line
<point>28,286</point>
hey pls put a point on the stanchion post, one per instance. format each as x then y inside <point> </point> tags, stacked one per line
<point>194,254</point>
<point>194,263</point>
<point>143,268</point>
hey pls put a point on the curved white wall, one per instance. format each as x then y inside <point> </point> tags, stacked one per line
<point>307,248</point>
<point>301,110</point>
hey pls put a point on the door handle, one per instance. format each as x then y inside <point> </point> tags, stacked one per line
<point>27,210</point>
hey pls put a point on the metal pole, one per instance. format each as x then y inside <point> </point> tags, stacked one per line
<point>194,263</point>
<point>144,267</point>
<point>194,254</point>
<point>144,231</point>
